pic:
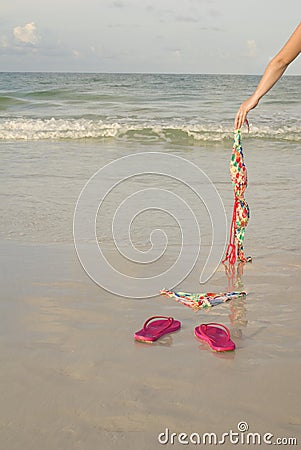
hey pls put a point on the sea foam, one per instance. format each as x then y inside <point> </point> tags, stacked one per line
<point>56,129</point>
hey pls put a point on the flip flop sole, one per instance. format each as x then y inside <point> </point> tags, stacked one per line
<point>221,346</point>
<point>152,332</point>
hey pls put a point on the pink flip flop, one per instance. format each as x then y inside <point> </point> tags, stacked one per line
<point>153,329</point>
<point>216,335</point>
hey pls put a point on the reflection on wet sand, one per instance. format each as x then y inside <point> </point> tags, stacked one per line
<point>238,311</point>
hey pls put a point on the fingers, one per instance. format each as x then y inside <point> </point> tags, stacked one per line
<point>245,107</point>
<point>240,118</point>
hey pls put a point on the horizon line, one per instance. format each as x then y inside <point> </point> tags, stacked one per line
<point>138,73</point>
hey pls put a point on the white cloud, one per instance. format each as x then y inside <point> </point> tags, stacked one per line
<point>75,54</point>
<point>26,34</point>
<point>252,49</point>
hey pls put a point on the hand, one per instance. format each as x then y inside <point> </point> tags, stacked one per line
<point>244,108</point>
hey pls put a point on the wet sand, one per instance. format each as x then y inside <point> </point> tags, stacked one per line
<point>72,377</point>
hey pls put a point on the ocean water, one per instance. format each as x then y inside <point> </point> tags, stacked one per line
<point>58,129</point>
<point>171,108</point>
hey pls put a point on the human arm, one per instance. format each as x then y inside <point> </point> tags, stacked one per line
<point>273,72</point>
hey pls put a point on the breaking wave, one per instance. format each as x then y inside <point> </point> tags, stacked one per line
<point>57,129</point>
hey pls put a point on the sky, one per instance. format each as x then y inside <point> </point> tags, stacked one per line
<point>157,36</point>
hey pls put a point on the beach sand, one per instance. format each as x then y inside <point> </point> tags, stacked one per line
<point>72,376</point>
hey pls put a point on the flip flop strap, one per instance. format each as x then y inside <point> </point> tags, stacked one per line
<point>169,319</point>
<point>220,325</point>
